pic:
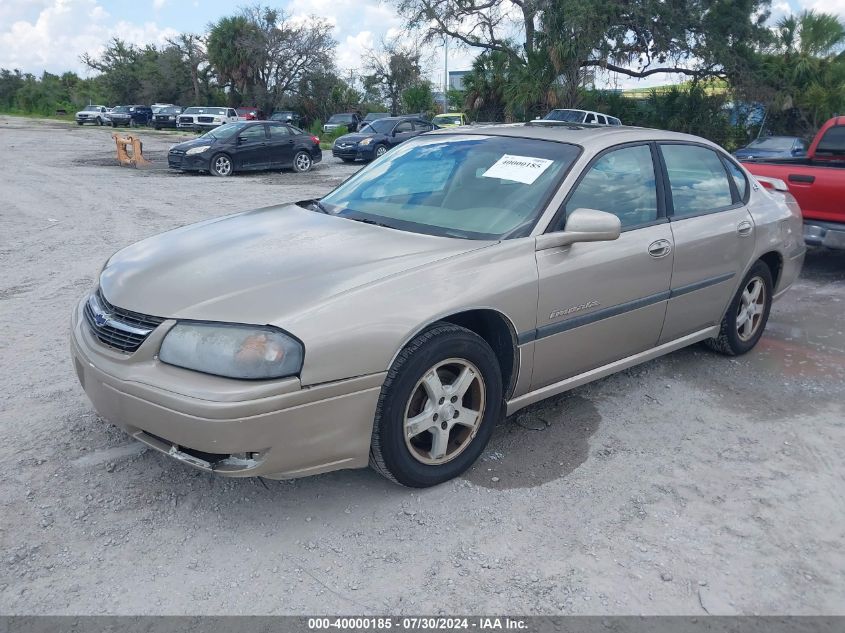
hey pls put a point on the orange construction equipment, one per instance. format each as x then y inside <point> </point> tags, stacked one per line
<point>136,158</point>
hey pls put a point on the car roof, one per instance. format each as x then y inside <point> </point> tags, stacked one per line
<point>590,137</point>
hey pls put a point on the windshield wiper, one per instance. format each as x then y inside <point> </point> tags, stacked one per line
<point>368,221</point>
<point>314,205</point>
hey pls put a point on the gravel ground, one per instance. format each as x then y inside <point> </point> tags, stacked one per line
<point>689,485</point>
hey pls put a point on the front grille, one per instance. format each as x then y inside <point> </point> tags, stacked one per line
<point>186,119</point>
<point>118,328</point>
<point>205,119</point>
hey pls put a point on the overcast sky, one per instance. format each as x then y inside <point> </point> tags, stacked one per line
<point>38,35</point>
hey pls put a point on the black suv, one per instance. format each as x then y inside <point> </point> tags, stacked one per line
<point>166,117</point>
<point>130,115</point>
<point>378,136</point>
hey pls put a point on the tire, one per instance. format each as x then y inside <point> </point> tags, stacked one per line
<point>379,151</point>
<point>423,385</point>
<point>221,165</point>
<point>302,162</point>
<point>747,315</point>
<point>157,129</point>
<point>79,122</point>
<point>131,123</point>
<point>99,121</point>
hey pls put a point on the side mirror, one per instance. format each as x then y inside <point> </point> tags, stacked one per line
<point>583,225</point>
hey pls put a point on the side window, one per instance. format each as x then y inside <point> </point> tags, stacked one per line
<point>740,180</point>
<point>602,120</point>
<point>279,132</point>
<point>590,118</point>
<point>405,126</point>
<point>232,112</point>
<point>422,126</point>
<point>697,179</point>
<point>833,142</point>
<point>620,182</point>
<point>253,133</point>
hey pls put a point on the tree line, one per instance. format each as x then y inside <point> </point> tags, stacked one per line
<point>553,57</point>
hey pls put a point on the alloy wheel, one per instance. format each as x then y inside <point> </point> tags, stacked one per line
<point>223,165</point>
<point>303,162</point>
<point>381,150</point>
<point>752,305</point>
<point>444,411</point>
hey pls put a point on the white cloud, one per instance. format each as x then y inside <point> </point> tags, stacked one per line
<point>827,6</point>
<point>61,30</point>
<point>158,4</point>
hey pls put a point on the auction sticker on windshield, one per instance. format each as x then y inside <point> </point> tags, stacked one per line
<point>524,169</point>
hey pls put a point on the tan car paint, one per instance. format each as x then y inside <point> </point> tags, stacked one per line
<point>355,294</point>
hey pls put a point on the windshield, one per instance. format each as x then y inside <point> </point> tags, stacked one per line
<point>121,109</point>
<point>380,126</point>
<point>281,116</point>
<point>340,118</point>
<point>91,108</point>
<point>471,187</point>
<point>447,119</point>
<point>773,143</point>
<point>169,110</point>
<point>226,131</point>
<point>570,116</point>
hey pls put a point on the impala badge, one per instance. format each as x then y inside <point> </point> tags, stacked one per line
<point>567,311</point>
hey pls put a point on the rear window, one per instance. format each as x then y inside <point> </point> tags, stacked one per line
<point>833,142</point>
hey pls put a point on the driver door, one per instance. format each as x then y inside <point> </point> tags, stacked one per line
<point>253,150</point>
<point>402,132</point>
<point>603,301</point>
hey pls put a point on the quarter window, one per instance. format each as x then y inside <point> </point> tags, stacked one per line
<point>739,179</point>
<point>833,142</point>
<point>697,179</point>
<point>621,182</point>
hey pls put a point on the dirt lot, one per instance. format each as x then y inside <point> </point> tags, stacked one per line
<point>693,484</point>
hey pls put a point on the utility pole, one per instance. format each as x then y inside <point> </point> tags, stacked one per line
<point>445,74</point>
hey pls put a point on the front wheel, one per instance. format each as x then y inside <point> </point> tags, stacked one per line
<point>747,314</point>
<point>380,151</point>
<point>437,408</point>
<point>221,165</point>
<point>302,162</point>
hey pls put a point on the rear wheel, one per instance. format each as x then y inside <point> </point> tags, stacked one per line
<point>302,162</point>
<point>221,165</point>
<point>437,408</point>
<point>747,314</point>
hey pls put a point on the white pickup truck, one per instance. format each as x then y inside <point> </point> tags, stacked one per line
<point>205,118</point>
<point>95,114</point>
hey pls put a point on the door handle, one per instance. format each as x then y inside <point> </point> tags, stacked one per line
<point>802,178</point>
<point>660,248</point>
<point>744,228</point>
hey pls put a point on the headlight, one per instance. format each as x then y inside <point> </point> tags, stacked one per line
<point>197,150</point>
<point>233,351</point>
<point>218,119</point>
<point>366,141</point>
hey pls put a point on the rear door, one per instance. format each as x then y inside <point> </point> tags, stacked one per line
<point>281,145</point>
<point>252,150</point>
<point>603,301</point>
<point>713,231</point>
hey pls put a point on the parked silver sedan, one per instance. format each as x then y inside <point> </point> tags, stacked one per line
<point>460,277</point>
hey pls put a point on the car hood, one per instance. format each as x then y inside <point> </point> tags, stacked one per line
<point>263,265</point>
<point>355,138</point>
<point>745,153</point>
<point>194,142</point>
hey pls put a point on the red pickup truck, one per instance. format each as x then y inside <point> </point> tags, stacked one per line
<point>818,183</point>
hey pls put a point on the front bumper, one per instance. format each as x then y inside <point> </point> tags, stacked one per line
<point>194,162</point>
<point>276,429</point>
<point>355,152</point>
<point>829,234</point>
